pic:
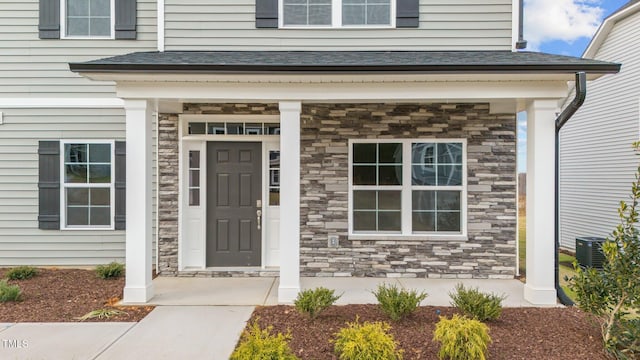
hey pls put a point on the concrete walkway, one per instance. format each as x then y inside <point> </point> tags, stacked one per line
<point>202,318</point>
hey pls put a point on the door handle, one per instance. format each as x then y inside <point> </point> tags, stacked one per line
<point>259,217</point>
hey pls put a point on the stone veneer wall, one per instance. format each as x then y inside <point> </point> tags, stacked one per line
<point>489,252</point>
<point>168,193</point>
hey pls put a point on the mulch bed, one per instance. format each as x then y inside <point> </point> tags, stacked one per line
<point>63,295</point>
<point>520,333</point>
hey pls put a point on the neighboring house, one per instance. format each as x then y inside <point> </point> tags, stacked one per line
<point>279,137</point>
<point>597,162</point>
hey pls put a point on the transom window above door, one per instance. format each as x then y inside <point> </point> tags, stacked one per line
<point>337,13</point>
<point>88,18</point>
<point>233,128</point>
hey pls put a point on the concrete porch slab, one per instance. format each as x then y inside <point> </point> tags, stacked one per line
<point>439,289</point>
<point>353,290</point>
<point>52,341</point>
<point>183,332</point>
<point>213,291</point>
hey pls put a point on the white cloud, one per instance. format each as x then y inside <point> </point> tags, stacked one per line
<point>566,20</point>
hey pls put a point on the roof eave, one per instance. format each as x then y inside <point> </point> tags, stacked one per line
<point>323,69</point>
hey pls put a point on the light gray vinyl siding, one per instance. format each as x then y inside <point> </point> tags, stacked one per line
<point>444,25</point>
<point>21,242</point>
<point>33,67</point>
<point>597,161</point>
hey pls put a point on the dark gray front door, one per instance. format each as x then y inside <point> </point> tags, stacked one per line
<point>234,187</point>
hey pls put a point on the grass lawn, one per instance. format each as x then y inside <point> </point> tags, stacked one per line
<point>522,244</point>
<point>522,235</point>
<point>568,272</point>
<point>522,251</point>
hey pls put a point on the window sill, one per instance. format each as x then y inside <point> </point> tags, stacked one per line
<point>413,237</point>
<point>88,229</point>
<point>87,38</point>
<point>329,27</point>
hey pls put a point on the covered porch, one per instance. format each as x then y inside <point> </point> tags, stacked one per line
<point>170,291</point>
<point>506,87</point>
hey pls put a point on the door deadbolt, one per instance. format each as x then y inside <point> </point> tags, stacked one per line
<point>259,217</point>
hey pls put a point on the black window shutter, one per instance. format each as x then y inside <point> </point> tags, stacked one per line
<point>49,23</point>
<point>126,18</point>
<point>49,185</point>
<point>408,13</point>
<point>267,14</point>
<point>121,184</point>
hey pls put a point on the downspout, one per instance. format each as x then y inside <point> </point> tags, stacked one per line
<point>565,115</point>
<point>521,43</point>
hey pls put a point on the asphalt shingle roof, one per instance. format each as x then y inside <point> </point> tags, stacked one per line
<point>344,62</point>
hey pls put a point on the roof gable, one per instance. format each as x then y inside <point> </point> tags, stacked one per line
<point>601,35</point>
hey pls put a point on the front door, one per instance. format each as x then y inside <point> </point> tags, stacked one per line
<point>234,201</point>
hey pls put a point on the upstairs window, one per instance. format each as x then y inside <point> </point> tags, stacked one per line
<point>88,18</point>
<point>337,13</point>
<point>307,12</point>
<point>366,12</point>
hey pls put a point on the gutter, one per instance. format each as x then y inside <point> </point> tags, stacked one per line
<point>565,115</point>
<point>521,43</point>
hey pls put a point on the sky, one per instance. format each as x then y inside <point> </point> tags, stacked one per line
<point>562,27</point>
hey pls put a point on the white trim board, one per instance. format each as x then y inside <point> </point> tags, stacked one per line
<point>160,25</point>
<point>62,103</point>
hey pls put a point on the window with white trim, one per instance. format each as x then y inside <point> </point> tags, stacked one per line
<point>337,13</point>
<point>407,187</point>
<point>87,184</point>
<point>88,18</point>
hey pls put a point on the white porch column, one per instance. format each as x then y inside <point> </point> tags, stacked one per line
<point>540,285</point>
<point>289,201</point>
<point>138,287</point>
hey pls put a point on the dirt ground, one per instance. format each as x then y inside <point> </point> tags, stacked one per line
<point>520,333</point>
<point>64,295</point>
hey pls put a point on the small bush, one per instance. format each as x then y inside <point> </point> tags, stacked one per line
<point>462,338</point>
<point>314,301</point>
<point>625,339</point>
<point>397,303</point>
<point>257,343</point>
<point>110,271</point>
<point>9,292</point>
<point>477,305</point>
<point>370,341</point>
<point>101,314</point>
<point>21,273</point>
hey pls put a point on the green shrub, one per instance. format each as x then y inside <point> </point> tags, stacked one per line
<point>9,292</point>
<point>110,271</point>
<point>477,305</point>
<point>370,341</point>
<point>314,301</point>
<point>626,339</point>
<point>21,273</point>
<point>462,338</point>
<point>257,343</point>
<point>397,303</point>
